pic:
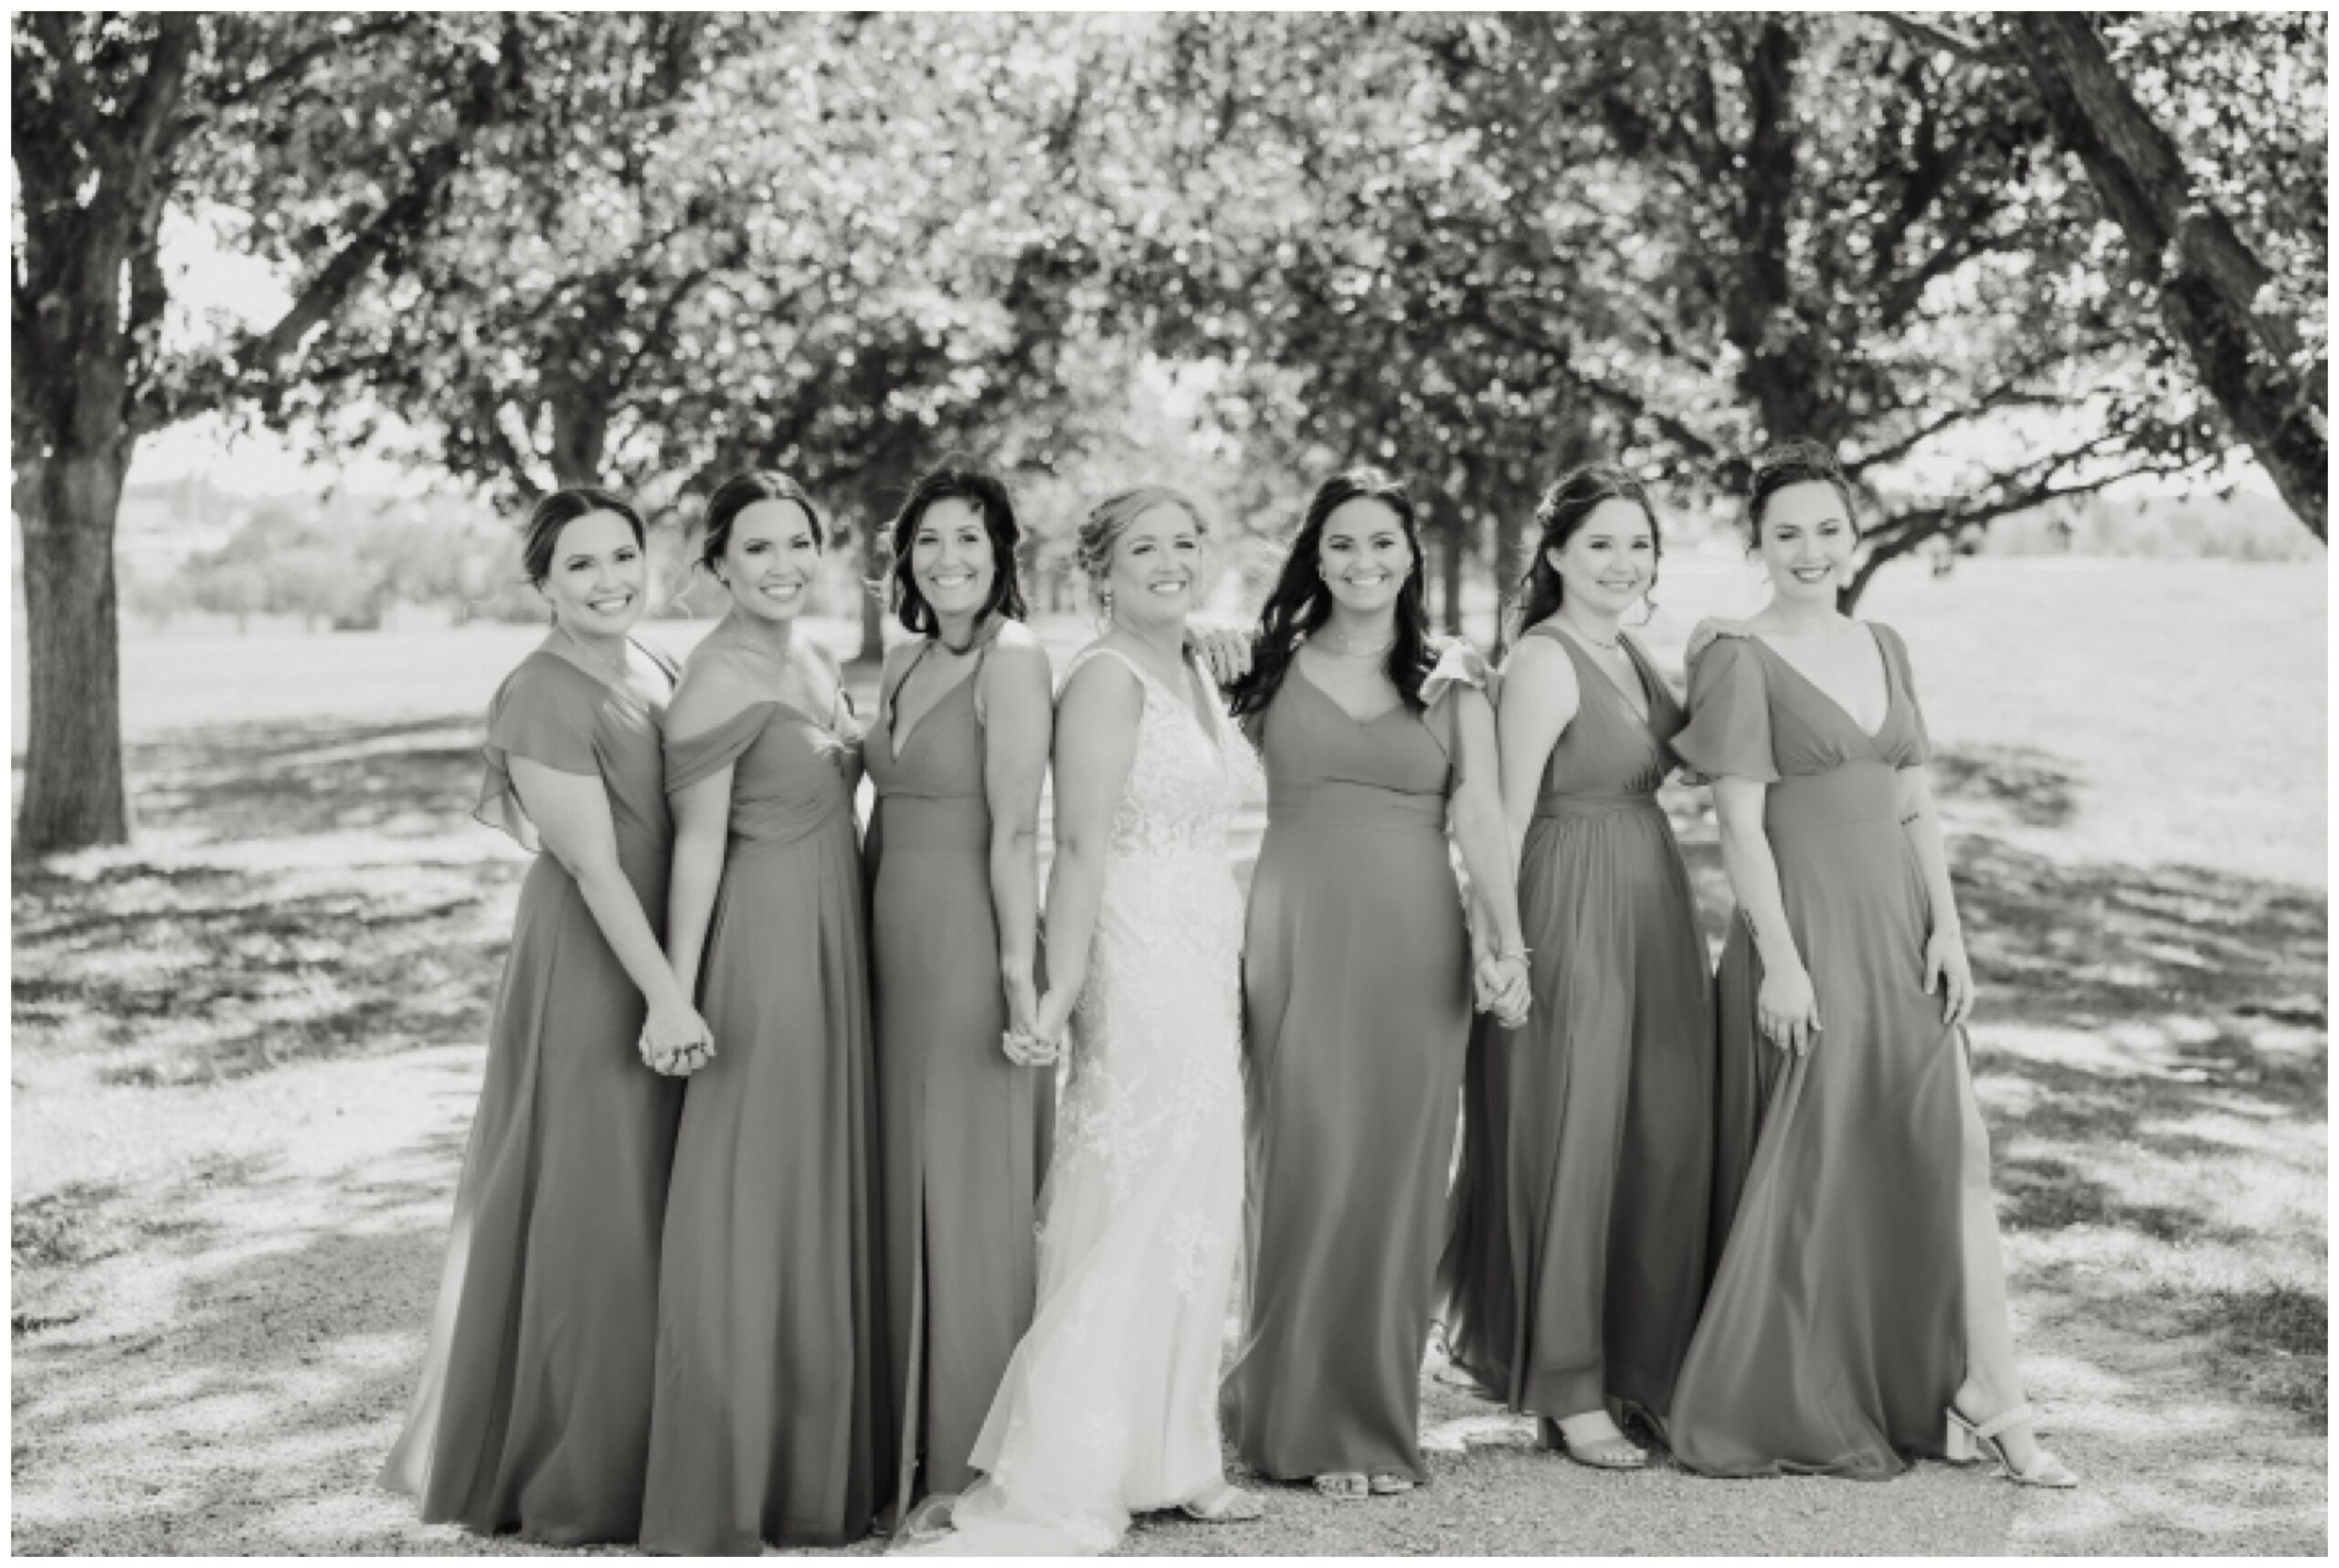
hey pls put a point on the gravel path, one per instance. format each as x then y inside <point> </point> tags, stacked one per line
<point>226,1365</point>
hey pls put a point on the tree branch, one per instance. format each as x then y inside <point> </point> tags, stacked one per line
<point>1933,35</point>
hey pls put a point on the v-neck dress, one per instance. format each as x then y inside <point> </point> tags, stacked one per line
<point>532,1411</point>
<point>965,1131</point>
<point>1575,1260</point>
<point>1834,1334</point>
<point>1355,991</point>
<point>773,1421</point>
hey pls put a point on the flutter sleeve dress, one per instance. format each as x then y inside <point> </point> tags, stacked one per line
<point>532,1411</point>
<point>1833,1336</point>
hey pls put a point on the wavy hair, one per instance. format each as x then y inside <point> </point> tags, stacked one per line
<point>1301,601</point>
<point>988,495</point>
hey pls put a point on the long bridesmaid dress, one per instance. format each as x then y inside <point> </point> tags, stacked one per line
<point>1833,1335</point>
<point>532,1411</point>
<point>965,1130</point>
<point>1356,987</point>
<point>772,1421</point>
<point>1576,1259</point>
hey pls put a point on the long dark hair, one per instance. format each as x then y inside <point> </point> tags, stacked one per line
<point>989,498</point>
<point>1572,498</point>
<point>738,492</point>
<point>552,517</point>
<point>1798,461</point>
<point>1301,603</point>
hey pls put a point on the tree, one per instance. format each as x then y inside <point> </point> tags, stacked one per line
<point>2266,367</point>
<point>819,243</point>
<point>112,115</point>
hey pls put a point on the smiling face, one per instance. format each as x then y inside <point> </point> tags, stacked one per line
<point>1611,558</point>
<point>1155,564</point>
<point>599,577</point>
<point>770,559</point>
<point>1805,538</point>
<point>951,558</point>
<point>1364,555</point>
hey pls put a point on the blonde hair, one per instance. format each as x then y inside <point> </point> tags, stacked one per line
<point>1110,518</point>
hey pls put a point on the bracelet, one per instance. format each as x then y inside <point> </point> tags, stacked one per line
<point>1503,953</point>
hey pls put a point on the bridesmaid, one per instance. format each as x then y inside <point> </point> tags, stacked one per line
<point>773,1421</point>
<point>1858,1316</point>
<point>1577,1259</point>
<point>1357,989</point>
<point>534,1409</point>
<point>957,757</point>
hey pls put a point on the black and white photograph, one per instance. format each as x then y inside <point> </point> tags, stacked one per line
<point>1170,783</point>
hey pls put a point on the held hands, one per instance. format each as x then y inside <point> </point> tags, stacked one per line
<point>1499,988</point>
<point>676,1041</point>
<point>1787,1010</point>
<point>1946,965</point>
<point>1226,654</point>
<point>1039,1042</point>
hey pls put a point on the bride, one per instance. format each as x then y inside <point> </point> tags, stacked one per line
<point>1110,1404</point>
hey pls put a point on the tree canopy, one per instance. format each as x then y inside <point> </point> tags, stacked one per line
<point>1993,260</point>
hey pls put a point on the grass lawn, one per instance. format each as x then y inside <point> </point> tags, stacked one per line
<point>246,1048</point>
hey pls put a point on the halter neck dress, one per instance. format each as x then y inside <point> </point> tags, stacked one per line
<point>965,1132</point>
<point>1356,986</point>
<point>1834,1334</point>
<point>532,1410</point>
<point>773,1421</point>
<point>1575,1260</point>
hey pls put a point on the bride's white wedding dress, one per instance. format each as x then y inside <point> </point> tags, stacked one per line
<point>1110,1404</point>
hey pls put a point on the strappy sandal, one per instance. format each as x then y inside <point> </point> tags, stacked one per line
<point>1967,1441</point>
<point>1344,1486</point>
<point>1617,1453</point>
<point>1389,1484</point>
<point>1226,1503</point>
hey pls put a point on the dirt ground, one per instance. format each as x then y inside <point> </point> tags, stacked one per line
<point>246,1053</point>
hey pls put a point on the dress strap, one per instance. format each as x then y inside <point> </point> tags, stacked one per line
<point>667,664</point>
<point>886,699</point>
<point>1093,650</point>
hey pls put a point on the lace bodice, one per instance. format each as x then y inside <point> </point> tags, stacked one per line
<point>1110,1405</point>
<point>1184,789</point>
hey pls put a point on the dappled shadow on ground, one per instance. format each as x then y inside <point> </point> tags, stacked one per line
<point>278,781</point>
<point>300,891</point>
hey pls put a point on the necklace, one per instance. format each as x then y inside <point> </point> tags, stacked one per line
<point>1613,644</point>
<point>1331,645</point>
<point>615,666</point>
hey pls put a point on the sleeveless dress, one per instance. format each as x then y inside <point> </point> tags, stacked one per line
<point>965,1131</point>
<point>1576,1258</point>
<point>1833,1335</point>
<point>773,1423</point>
<point>1110,1404</point>
<point>532,1410</point>
<point>1356,980</point>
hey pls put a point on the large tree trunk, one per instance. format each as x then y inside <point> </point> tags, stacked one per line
<point>73,779</point>
<point>2207,278</point>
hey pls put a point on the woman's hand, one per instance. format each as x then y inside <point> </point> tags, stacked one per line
<point>1042,1044</point>
<point>1227,654</point>
<point>1787,1008</point>
<point>1022,1043</point>
<point>1946,966</point>
<point>1501,989</point>
<point>675,1039</point>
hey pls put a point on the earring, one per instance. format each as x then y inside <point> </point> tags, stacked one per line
<point>1107,597</point>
